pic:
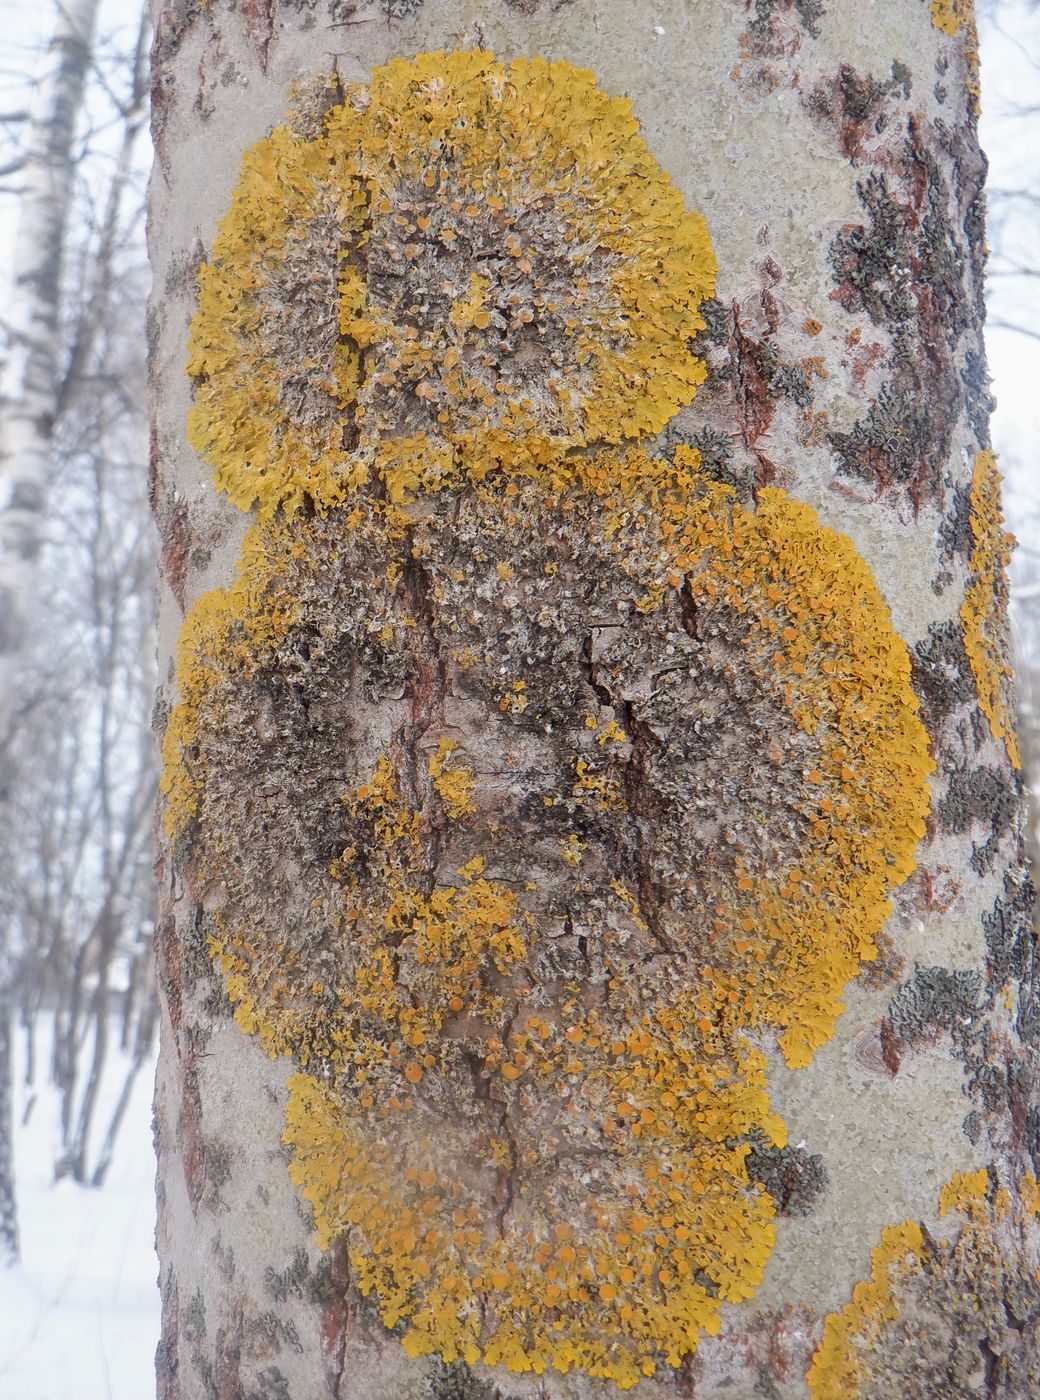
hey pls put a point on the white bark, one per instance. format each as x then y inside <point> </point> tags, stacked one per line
<point>32,376</point>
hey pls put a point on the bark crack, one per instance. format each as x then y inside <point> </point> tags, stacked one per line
<point>639,796</point>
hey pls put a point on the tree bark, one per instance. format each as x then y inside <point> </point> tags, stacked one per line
<point>32,374</point>
<point>596,946</point>
<point>8,1202</point>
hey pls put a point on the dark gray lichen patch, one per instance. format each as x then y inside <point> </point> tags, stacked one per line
<point>808,12</point>
<point>793,1177</point>
<point>270,1384</point>
<point>933,1002</point>
<point>975,378</point>
<point>175,21</point>
<point>456,1382</point>
<point>941,673</point>
<point>718,323</point>
<point>532,7</point>
<point>1011,947</point>
<point>912,266</point>
<point>981,796</point>
<point>291,1281</point>
<point>717,458</point>
<point>856,105</point>
<point>889,443</point>
<point>955,536</point>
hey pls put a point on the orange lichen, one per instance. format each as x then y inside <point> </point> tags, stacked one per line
<point>418,982</point>
<point>659,1201</point>
<point>359,244</point>
<point>817,635</point>
<point>452,782</point>
<point>984,615</point>
<point>857,1329</point>
<point>964,1191</point>
<point>661,1229</point>
<point>952,15</point>
<point>504,288</point>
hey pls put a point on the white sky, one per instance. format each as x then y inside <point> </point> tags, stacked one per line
<point>1011,81</point>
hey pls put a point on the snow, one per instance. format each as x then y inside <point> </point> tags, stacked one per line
<point>79,1317</point>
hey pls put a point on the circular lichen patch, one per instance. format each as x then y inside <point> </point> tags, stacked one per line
<point>464,262</point>
<point>517,811</point>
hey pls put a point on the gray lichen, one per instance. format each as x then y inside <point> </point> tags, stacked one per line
<point>981,796</point>
<point>793,1177</point>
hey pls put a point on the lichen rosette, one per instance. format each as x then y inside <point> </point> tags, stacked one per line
<point>468,263</point>
<point>437,943</point>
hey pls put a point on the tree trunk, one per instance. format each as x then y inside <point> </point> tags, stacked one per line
<point>596,949</point>
<point>32,374</point>
<point>8,1202</point>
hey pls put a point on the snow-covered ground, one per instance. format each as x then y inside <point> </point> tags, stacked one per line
<point>79,1318</point>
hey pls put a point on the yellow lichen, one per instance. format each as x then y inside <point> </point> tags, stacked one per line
<point>576,329</point>
<point>847,1335</point>
<point>669,1091</point>
<point>454,784</point>
<point>639,1266</point>
<point>590,1206</point>
<point>819,636</point>
<point>953,17</point>
<point>667,1227</point>
<point>984,610</point>
<point>922,1286</point>
<point>964,1191</point>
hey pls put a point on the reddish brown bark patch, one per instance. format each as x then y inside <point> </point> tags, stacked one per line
<point>259,21</point>
<point>176,550</point>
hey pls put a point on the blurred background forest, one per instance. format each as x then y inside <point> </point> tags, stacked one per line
<point>78,1303</point>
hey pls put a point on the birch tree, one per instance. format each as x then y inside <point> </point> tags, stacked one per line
<point>596,947</point>
<point>32,377</point>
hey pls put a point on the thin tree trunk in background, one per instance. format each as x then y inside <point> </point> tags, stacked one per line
<point>29,393</point>
<point>92,318</point>
<point>595,944</point>
<point>32,377</point>
<point>8,1204</point>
